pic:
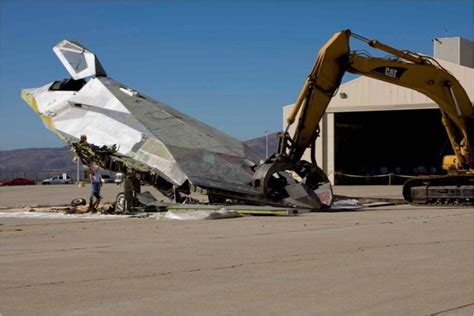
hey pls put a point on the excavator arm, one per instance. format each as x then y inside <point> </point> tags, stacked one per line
<point>421,73</point>
<point>317,92</point>
<point>429,78</point>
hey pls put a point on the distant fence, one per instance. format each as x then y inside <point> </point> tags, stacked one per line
<point>379,179</point>
<point>340,177</point>
<point>37,176</point>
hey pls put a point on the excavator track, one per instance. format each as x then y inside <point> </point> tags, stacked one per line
<point>455,190</point>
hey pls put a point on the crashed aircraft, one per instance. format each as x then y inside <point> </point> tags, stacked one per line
<point>130,132</point>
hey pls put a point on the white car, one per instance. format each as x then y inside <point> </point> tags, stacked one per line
<point>59,179</point>
<point>107,179</point>
<point>118,178</point>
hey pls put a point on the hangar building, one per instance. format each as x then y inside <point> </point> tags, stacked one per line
<point>371,124</point>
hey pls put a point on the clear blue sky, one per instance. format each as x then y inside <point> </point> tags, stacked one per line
<point>230,64</point>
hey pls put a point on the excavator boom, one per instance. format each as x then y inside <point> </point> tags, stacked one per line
<point>318,90</point>
<point>421,73</point>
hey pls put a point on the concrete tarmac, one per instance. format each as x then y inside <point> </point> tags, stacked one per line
<point>392,260</point>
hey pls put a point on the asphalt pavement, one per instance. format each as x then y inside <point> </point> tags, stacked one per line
<point>391,260</point>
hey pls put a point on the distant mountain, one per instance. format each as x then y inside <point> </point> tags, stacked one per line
<point>38,163</point>
<point>35,163</point>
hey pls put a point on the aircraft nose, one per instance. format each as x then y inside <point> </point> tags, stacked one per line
<point>28,95</point>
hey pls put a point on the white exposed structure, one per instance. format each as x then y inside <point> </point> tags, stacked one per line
<point>365,94</point>
<point>120,129</point>
<point>170,144</point>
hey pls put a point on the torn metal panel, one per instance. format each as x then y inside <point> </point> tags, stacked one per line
<point>148,135</point>
<point>130,132</point>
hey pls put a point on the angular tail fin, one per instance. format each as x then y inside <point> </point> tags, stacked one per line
<point>78,60</point>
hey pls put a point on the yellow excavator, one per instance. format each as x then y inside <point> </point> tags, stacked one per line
<point>411,70</point>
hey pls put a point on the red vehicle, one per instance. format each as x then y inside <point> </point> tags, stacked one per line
<point>18,181</point>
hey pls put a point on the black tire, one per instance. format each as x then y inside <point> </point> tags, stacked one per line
<point>78,201</point>
<point>120,203</point>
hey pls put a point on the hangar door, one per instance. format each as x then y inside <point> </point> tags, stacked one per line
<point>400,141</point>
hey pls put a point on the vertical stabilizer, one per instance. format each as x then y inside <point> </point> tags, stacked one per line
<point>78,60</point>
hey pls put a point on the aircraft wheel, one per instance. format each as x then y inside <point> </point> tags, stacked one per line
<point>78,201</point>
<point>120,203</point>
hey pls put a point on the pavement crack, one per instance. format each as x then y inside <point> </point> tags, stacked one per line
<point>33,285</point>
<point>293,258</point>
<point>54,250</point>
<point>364,248</point>
<point>452,309</point>
<point>285,259</point>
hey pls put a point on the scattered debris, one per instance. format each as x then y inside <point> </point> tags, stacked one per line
<point>200,214</point>
<point>377,204</point>
<point>346,204</point>
<point>148,206</point>
<point>241,209</point>
<point>57,215</point>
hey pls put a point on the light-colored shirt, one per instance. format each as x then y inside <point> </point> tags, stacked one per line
<point>96,176</point>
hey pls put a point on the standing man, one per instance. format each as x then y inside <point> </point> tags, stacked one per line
<point>83,140</point>
<point>96,183</point>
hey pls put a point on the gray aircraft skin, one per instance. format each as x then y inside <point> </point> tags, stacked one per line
<point>129,131</point>
<point>170,144</point>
